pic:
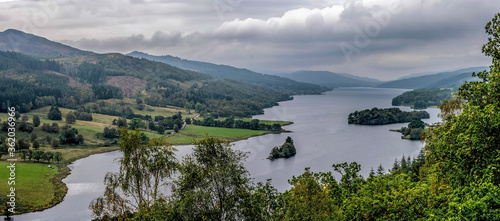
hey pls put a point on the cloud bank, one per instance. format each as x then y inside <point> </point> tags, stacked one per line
<point>373,38</point>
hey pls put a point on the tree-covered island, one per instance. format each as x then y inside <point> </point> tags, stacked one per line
<point>285,151</point>
<point>377,116</point>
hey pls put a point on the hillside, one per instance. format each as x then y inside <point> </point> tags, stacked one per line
<point>77,77</point>
<point>36,46</point>
<point>451,79</point>
<point>228,72</point>
<point>330,79</point>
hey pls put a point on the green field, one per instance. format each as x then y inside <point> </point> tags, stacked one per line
<point>268,122</point>
<point>179,139</point>
<point>33,186</point>
<point>232,133</point>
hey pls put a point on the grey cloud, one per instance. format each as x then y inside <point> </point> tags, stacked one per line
<point>292,35</point>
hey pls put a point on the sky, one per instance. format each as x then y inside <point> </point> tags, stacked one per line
<point>383,39</point>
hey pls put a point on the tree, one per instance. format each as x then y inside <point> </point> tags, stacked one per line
<point>160,129</point>
<point>37,154</point>
<point>121,122</point>
<point>22,144</point>
<point>58,156</point>
<point>198,108</point>
<point>49,156</point>
<point>36,121</point>
<point>136,123</point>
<point>468,140</point>
<point>5,126</point>
<point>70,118</point>
<point>380,170</point>
<point>151,125</point>
<point>416,123</point>
<point>309,198</point>
<point>70,136</point>
<point>33,137</point>
<point>212,184</point>
<point>55,143</point>
<point>30,154</point>
<point>54,113</point>
<point>36,145</point>
<point>24,154</point>
<point>25,118</point>
<point>3,149</point>
<point>176,128</point>
<point>143,168</point>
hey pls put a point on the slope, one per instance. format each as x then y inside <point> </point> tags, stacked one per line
<point>228,72</point>
<point>330,79</point>
<point>36,46</point>
<point>440,80</point>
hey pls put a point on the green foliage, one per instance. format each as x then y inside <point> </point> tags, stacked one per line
<point>144,167</point>
<point>422,98</point>
<point>22,144</point>
<point>70,118</point>
<point>36,144</point>
<point>212,184</point>
<point>37,154</point>
<point>310,197</point>
<point>377,116</point>
<point>110,132</point>
<point>285,151</point>
<point>54,114</point>
<point>71,136</point>
<point>58,157</point>
<point>136,123</point>
<point>416,123</point>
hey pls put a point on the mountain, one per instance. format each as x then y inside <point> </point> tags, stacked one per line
<point>36,46</point>
<point>330,79</point>
<point>440,80</point>
<point>228,72</point>
<point>31,80</point>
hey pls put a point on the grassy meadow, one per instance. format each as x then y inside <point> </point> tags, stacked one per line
<point>34,189</point>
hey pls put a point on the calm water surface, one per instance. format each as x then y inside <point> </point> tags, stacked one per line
<point>320,133</point>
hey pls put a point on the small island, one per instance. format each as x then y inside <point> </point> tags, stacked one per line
<point>377,116</point>
<point>285,151</point>
<point>413,131</point>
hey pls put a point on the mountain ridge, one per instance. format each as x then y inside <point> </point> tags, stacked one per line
<point>450,79</point>
<point>36,46</point>
<point>331,79</point>
<point>229,72</point>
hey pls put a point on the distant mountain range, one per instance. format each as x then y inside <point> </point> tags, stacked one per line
<point>36,46</point>
<point>300,82</point>
<point>451,79</point>
<point>330,79</point>
<point>228,72</point>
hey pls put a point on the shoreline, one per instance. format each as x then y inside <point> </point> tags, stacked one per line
<point>61,189</point>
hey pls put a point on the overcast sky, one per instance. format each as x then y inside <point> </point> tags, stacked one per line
<point>383,39</point>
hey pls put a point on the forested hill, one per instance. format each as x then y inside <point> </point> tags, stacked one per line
<point>29,83</point>
<point>228,72</point>
<point>36,46</point>
<point>451,79</point>
<point>330,79</point>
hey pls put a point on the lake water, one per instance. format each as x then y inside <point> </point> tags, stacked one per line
<point>320,132</point>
